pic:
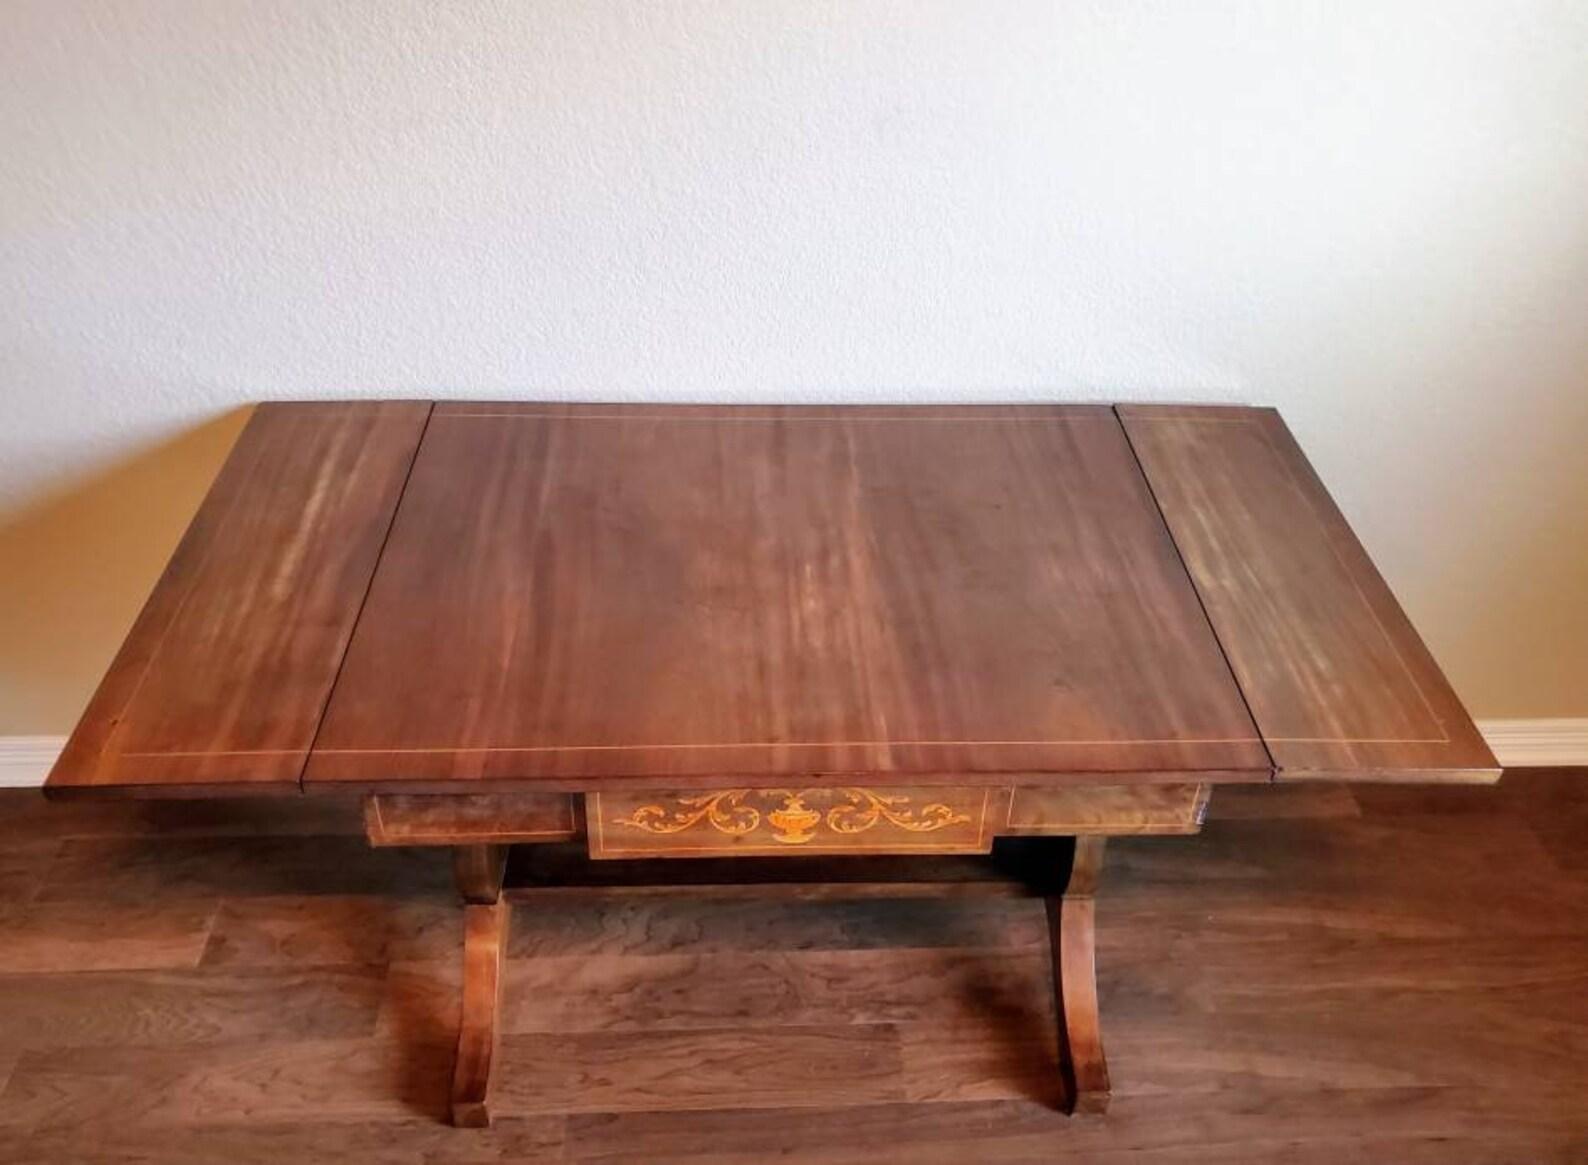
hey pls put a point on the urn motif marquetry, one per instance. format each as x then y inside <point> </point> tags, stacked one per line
<point>839,819</point>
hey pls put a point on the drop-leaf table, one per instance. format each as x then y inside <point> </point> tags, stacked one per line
<point>738,650</point>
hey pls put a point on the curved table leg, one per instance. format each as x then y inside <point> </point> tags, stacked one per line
<point>484,945</point>
<point>1072,934</point>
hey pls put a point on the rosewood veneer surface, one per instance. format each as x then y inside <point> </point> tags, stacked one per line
<point>572,597</point>
<point>574,592</point>
<point>222,680</point>
<point>1337,677</point>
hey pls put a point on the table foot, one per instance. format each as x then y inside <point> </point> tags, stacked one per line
<point>484,952</point>
<point>1071,930</point>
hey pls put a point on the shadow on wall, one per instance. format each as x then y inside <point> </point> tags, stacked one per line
<point>79,565</point>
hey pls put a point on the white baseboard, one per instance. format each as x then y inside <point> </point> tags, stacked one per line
<point>1563,743</point>
<point>25,760</point>
<point>1559,743</point>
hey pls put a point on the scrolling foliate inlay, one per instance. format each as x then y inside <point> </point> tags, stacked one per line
<point>790,819</point>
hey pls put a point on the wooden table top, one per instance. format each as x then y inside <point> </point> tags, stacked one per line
<point>449,597</point>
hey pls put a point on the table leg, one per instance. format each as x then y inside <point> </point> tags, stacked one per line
<point>479,870</point>
<point>1071,932</point>
<point>484,947</point>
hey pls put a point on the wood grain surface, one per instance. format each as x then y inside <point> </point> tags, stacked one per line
<point>386,597</point>
<point>223,678</point>
<point>1110,810</point>
<point>1337,678</point>
<point>1072,929</point>
<point>662,593</point>
<point>485,930</point>
<point>468,818</point>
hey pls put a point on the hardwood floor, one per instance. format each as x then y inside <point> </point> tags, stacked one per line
<point>1378,975</point>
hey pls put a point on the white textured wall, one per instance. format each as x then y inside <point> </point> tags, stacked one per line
<point>1374,215</point>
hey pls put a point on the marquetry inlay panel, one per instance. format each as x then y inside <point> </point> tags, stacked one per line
<point>835,819</point>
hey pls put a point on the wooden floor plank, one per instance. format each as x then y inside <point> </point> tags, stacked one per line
<point>261,1142</point>
<point>333,930</point>
<point>312,1079</point>
<point>185,1009</point>
<point>646,1071</point>
<point>681,925</point>
<point>1009,1057</point>
<point>766,990</point>
<point>1275,1126</point>
<point>1375,874</point>
<point>94,935</point>
<point>9,1054</point>
<point>22,870</point>
<point>238,867</point>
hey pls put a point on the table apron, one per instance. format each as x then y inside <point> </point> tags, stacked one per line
<point>818,820</point>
